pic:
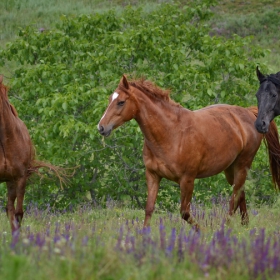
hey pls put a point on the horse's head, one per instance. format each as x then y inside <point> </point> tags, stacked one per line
<point>268,96</point>
<point>121,108</point>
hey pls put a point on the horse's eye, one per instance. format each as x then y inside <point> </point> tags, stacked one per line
<point>274,95</point>
<point>121,103</point>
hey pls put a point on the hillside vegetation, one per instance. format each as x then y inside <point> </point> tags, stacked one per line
<point>63,59</point>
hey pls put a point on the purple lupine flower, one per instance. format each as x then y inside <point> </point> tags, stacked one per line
<point>180,244</point>
<point>120,237</point>
<point>15,239</point>
<point>67,227</point>
<point>56,238</point>
<point>171,243</point>
<point>66,236</point>
<point>40,241</point>
<point>57,228</point>
<point>260,250</point>
<point>128,244</point>
<point>85,241</point>
<point>132,242</point>
<point>146,237</point>
<point>48,231</point>
<point>253,232</point>
<point>162,235</point>
<point>191,241</point>
<point>31,237</point>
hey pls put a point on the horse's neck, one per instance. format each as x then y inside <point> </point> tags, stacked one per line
<point>158,119</point>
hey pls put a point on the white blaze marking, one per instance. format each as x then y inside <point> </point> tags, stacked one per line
<point>114,96</point>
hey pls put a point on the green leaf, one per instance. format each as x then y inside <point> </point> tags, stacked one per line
<point>64,106</point>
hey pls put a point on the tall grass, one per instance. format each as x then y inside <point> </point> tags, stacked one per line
<point>111,244</point>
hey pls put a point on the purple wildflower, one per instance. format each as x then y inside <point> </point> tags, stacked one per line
<point>162,235</point>
<point>171,243</point>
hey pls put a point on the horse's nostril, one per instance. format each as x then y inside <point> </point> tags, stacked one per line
<point>101,129</point>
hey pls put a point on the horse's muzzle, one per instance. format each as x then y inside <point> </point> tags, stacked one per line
<point>104,131</point>
<point>261,126</point>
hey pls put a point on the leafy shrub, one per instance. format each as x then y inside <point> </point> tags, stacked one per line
<point>63,78</point>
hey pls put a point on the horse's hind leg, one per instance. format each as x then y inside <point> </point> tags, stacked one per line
<point>21,184</point>
<point>243,209</point>
<point>10,208</point>
<point>187,187</point>
<point>236,177</point>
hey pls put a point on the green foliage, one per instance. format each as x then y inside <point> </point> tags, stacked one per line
<point>63,78</point>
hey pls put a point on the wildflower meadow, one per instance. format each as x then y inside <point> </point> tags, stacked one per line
<point>61,60</point>
<point>111,244</point>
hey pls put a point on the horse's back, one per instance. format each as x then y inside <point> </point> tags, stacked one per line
<point>244,118</point>
<point>228,132</point>
<point>232,119</point>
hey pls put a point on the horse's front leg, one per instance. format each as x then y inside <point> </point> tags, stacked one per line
<point>153,181</point>
<point>186,187</point>
<point>16,190</point>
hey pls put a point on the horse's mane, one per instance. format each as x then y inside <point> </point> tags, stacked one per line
<point>152,90</point>
<point>4,97</point>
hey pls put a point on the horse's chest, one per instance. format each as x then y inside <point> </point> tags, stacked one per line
<point>162,165</point>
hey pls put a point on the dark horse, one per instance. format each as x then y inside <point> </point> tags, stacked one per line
<point>182,145</point>
<point>17,158</point>
<point>268,96</point>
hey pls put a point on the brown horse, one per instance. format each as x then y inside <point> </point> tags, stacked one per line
<point>182,145</point>
<point>17,158</point>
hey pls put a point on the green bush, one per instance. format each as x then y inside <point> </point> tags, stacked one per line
<point>63,78</point>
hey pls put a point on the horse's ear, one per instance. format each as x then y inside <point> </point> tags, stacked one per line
<point>259,74</point>
<point>1,79</point>
<point>124,82</point>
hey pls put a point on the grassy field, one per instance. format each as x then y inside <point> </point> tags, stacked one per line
<point>110,243</point>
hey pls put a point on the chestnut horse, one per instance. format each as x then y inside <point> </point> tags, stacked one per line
<point>182,145</point>
<point>17,158</point>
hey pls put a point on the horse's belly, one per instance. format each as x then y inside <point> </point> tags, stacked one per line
<point>208,172</point>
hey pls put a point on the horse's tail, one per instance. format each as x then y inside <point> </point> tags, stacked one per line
<point>272,143</point>
<point>271,140</point>
<point>61,173</point>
